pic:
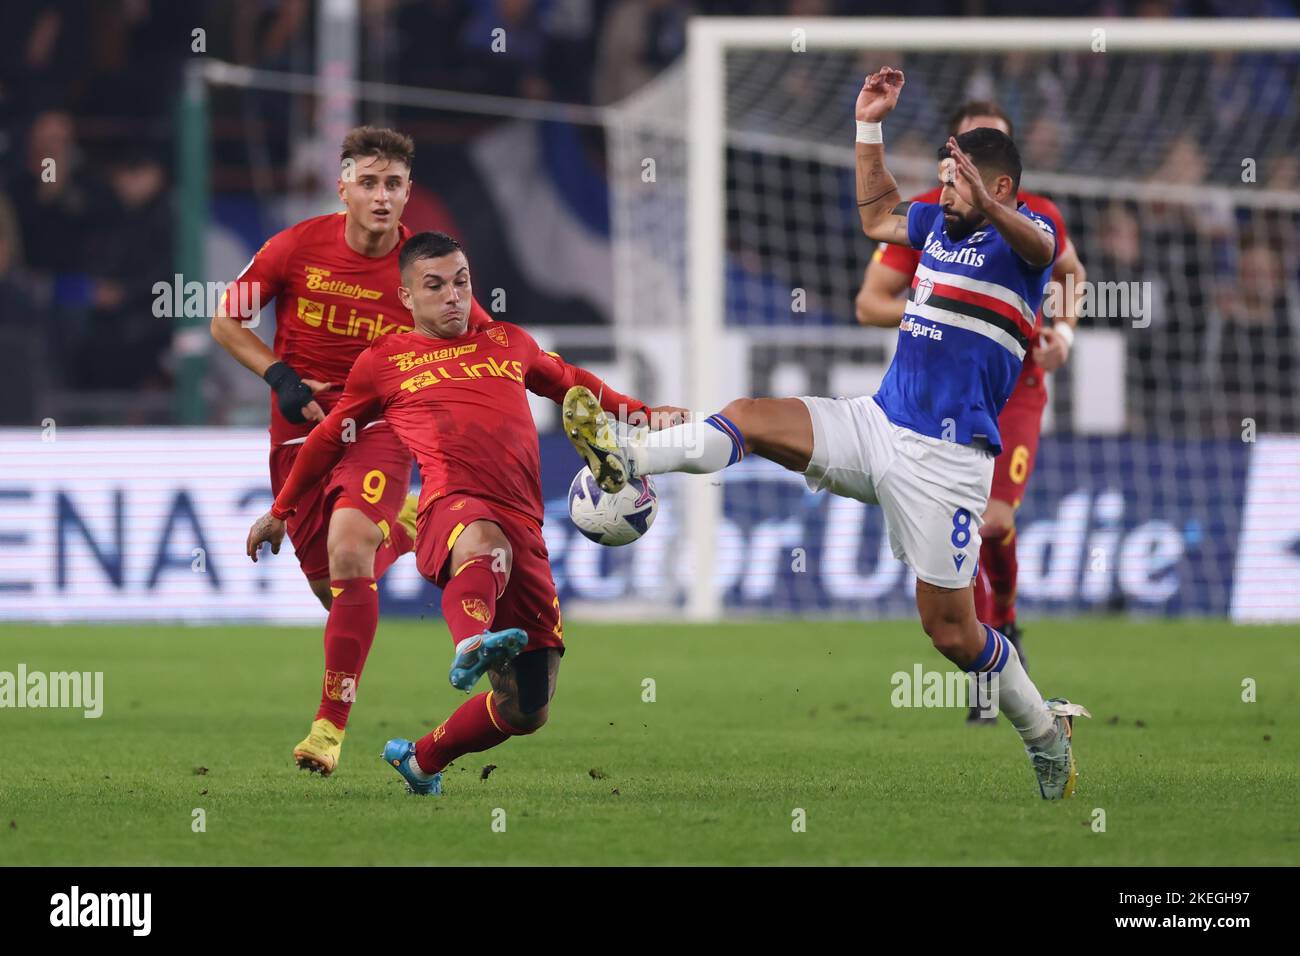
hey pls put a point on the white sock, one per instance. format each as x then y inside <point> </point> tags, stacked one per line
<point>417,771</point>
<point>696,447</point>
<point>1017,697</point>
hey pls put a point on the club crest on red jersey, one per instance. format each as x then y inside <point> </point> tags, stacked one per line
<point>498,335</point>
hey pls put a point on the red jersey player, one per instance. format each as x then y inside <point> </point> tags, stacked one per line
<point>879,303</point>
<point>334,279</point>
<point>453,390</point>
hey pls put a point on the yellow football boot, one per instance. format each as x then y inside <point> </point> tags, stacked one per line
<point>591,431</point>
<point>319,753</point>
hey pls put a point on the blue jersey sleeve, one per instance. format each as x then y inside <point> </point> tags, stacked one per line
<point>1045,224</point>
<point>920,220</point>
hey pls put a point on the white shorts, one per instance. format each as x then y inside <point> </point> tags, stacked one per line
<point>933,492</point>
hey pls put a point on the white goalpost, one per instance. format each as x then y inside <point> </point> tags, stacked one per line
<point>1136,128</point>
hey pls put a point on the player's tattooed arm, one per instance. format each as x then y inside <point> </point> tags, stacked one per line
<point>880,207</point>
<point>878,195</point>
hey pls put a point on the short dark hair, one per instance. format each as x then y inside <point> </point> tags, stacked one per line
<point>426,245</point>
<point>990,149</point>
<point>370,141</point>
<point>979,108</point>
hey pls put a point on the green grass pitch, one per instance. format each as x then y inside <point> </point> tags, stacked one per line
<point>751,721</point>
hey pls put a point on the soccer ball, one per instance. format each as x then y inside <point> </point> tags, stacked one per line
<point>612,519</point>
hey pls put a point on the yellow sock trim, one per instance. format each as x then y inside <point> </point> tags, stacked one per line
<point>489,710</point>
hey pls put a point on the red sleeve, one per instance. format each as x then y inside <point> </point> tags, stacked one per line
<point>323,448</point>
<point>902,259</point>
<point>262,279</point>
<point>550,376</point>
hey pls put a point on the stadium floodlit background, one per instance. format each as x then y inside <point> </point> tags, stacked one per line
<point>148,149</point>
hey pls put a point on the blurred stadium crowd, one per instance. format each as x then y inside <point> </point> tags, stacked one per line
<point>92,85</point>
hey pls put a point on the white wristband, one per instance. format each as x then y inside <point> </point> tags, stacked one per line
<point>869,133</point>
<point>1065,331</point>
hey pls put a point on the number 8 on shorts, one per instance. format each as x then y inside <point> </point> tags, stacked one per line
<point>960,528</point>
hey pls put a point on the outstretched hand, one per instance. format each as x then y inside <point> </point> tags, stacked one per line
<point>661,416</point>
<point>879,94</point>
<point>1053,349</point>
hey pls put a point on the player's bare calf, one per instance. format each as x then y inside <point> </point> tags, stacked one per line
<point>778,429</point>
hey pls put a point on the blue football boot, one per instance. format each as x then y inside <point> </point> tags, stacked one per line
<point>399,753</point>
<point>476,654</point>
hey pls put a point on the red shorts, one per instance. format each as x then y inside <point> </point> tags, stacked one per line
<point>530,601</point>
<point>374,475</point>
<point>1019,424</point>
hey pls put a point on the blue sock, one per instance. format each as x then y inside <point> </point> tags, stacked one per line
<point>725,425</point>
<point>993,658</point>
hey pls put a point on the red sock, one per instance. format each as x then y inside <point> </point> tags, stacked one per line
<point>475,726</point>
<point>349,632</point>
<point>399,543</point>
<point>998,560</point>
<point>469,601</point>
